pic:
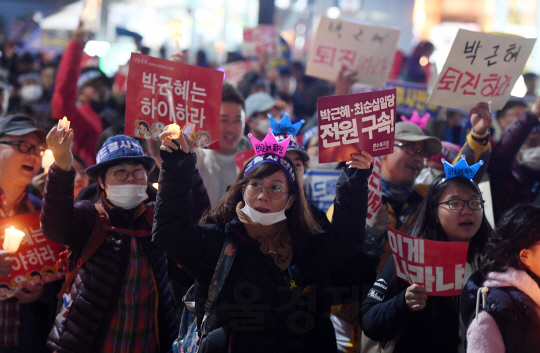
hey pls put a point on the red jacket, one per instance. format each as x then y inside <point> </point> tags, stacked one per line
<point>86,123</point>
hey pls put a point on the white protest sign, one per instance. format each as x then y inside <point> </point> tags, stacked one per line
<point>481,67</point>
<point>375,192</point>
<point>369,50</point>
<point>235,72</point>
<point>485,189</point>
<point>320,187</point>
<point>259,39</point>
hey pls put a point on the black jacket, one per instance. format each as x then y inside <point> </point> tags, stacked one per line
<point>386,315</point>
<point>256,309</point>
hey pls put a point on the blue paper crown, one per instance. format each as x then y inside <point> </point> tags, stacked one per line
<point>461,168</point>
<point>284,127</point>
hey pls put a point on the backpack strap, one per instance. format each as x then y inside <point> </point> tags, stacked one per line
<point>101,228</point>
<point>223,266</point>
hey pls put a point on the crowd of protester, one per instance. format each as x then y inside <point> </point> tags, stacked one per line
<point>300,279</point>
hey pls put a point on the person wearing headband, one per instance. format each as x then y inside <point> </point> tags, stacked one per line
<point>280,247</point>
<point>398,311</point>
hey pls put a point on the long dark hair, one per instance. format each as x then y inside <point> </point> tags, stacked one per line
<point>518,229</point>
<point>425,224</point>
<point>301,221</point>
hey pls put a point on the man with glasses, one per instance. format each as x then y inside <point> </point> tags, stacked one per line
<point>119,301</point>
<point>22,145</point>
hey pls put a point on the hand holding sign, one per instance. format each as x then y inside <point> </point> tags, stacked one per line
<point>481,118</point>
<point>415,297</point>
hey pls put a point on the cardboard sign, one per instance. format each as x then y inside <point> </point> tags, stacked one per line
<point>36,258</point>
<point>259,39</point>
<point>438,266</point>
<point>354,122</point>
<point>374,192</point>
<point>241,158</point>
<point>320,187</point>
<point>235,72</point>
<point>162,92</point>
<point>369,50</point>
<point>481,67</point>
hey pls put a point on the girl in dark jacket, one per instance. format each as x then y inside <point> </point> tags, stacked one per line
<point>280,249</point>
<point>505,295</point>
<point>452,210</point>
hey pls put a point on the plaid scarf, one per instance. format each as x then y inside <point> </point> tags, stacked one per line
<point>133,327</point>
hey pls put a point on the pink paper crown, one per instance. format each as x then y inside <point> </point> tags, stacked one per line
<point>270,144</point>
<point>416,119</point>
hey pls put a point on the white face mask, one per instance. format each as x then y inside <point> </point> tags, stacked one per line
<point>31,93</point>
<point>263,126</point>
<point>427,175</point>
<point>265,219</point>
<point>314,164</point>
<point>530,157</point>
<point>127,196</point>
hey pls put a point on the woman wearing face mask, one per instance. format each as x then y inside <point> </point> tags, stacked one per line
<point>119,300</point>
<point>280,248</point>
<point>452,210</point>
<point>515,171</point>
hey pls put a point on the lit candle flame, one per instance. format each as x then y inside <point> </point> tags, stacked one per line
<point>12,239</point>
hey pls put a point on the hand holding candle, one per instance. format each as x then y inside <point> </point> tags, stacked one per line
<point>47,160</point>
<point>12,239</point>
<point>175,129</point>
<point>64,124</point>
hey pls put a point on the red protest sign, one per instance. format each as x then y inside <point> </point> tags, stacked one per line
<point>375,191</point>
<point>235,72</point>
<point>241,158</point>
<point>354,122</point>
<point>263,38</point>
<point>162,92</point>
<point>34,260</point>
<point>438,266</point>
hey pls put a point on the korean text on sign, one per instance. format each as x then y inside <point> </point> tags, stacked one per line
<point>375,192</point>
<point>438,266</point>
<point>162,92</point>
<point>350,123</point>
<point>263,38</point>
<point>368,50</point>
<point>34,260</point>
<point>481,67</point>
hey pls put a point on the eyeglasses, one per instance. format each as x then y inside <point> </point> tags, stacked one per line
<point>275,191</point>
<point>26,148</point>
<point>412,151</point>
<point>123,175</point>
<point>459,204</point>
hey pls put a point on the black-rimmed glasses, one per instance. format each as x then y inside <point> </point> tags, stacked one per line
<point>459,204</point>
<point>123,175</point>
<point>26,148</point>
<point>411,149</point>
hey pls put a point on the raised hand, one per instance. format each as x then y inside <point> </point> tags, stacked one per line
<point>168,145</point>
<point>59,142</point>
<point>360,161</point>
<point>481,118</point>
<point>344,81</point>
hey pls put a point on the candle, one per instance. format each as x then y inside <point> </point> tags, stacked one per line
<point>155,185</point>
<point>64,124</point>
<point>175,129</point>
<point>47,160</point>
<point>12,239</point>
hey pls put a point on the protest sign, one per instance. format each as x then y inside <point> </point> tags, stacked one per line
<point>368,50</point>
<point>162,92</point>
<point>438,266</point>
<point>374,192</point>
<point>260,39</point>
<point>481,67</point>
<point>235,72</point>
<point>320,187</point>
<point>34,260</point>
<point>241,158</point>
<point>485,189</point>
<point>354,122</point>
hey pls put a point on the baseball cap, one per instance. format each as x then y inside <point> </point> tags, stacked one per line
<point>90,76</point>
<point>295,147</point>
<point>411,132</point>
<point>20,124</point>
<point>259,102</point>
<point>118,149</point>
